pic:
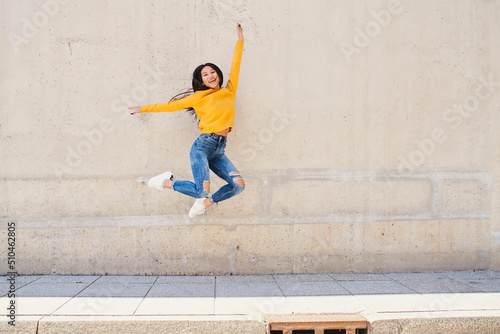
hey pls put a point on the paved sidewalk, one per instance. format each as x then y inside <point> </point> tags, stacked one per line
<point>379,297</point>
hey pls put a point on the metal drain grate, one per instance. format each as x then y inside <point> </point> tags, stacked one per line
<point>345,323</point>
<point>328,331</point>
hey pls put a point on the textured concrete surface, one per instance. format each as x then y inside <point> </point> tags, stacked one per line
<point>151,326</point>
<point>24,325</point>
<point>437,302</point>
<point>367,133</point>
<point>166,245</point>
<point>463,325</point>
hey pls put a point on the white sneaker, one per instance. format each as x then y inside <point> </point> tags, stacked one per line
<point>198,208</point>
<point>157,181</point>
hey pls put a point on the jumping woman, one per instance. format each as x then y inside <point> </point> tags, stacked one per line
<point>215,107</point>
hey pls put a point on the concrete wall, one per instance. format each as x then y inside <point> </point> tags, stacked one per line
<point>367,132</point>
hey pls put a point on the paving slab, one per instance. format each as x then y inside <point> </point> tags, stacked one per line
<point>245,279</point>
<point>248,290</point>
<point>312,288</point>
<point>127,279</point>
<point>116,290</point>
<point>66,279</point>
<point>5,287</point>
<point>438,285</point>
<point>303,278</point>
<point>414,276</point>
<point>360,277</point>
<point>471,275</point>
<point>182,290</point>
<point>37,289</point>
<point>22,280</point>
<point>185,279</point>
<point>19,281</point>
<point>375,287</point>
<point>485,285</point>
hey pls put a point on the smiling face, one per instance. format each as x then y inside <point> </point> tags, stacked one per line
<point>210,77</point>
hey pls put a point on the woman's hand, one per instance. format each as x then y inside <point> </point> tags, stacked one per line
<point>137,110</point>
<point>239,30</point>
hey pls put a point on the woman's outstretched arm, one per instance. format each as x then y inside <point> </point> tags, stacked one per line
<point>234,73</point>
<point>175,105</point>
<point>239,30</point>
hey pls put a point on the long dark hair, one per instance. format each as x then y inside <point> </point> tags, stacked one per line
<point>197,83</point>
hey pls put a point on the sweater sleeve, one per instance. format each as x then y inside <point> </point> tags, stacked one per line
<point>234,73</point>
<point>175,105</point>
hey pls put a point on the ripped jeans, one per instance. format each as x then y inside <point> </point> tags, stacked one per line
<point>207,153</point>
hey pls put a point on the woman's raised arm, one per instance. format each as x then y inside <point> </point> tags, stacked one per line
<point>239,31</point>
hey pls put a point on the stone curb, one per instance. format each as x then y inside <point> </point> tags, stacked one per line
<point>462,325</point>
<point>146,325</point>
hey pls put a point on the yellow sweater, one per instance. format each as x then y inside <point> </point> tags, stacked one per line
<point>215,109</point>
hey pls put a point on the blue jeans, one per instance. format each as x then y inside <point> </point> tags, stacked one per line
<point>207,153</point>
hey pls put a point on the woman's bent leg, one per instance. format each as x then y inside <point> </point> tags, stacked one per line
<point>201,174</point>
<point>225,169</point>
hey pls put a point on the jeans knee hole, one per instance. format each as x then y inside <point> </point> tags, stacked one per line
<point>239,181</point>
